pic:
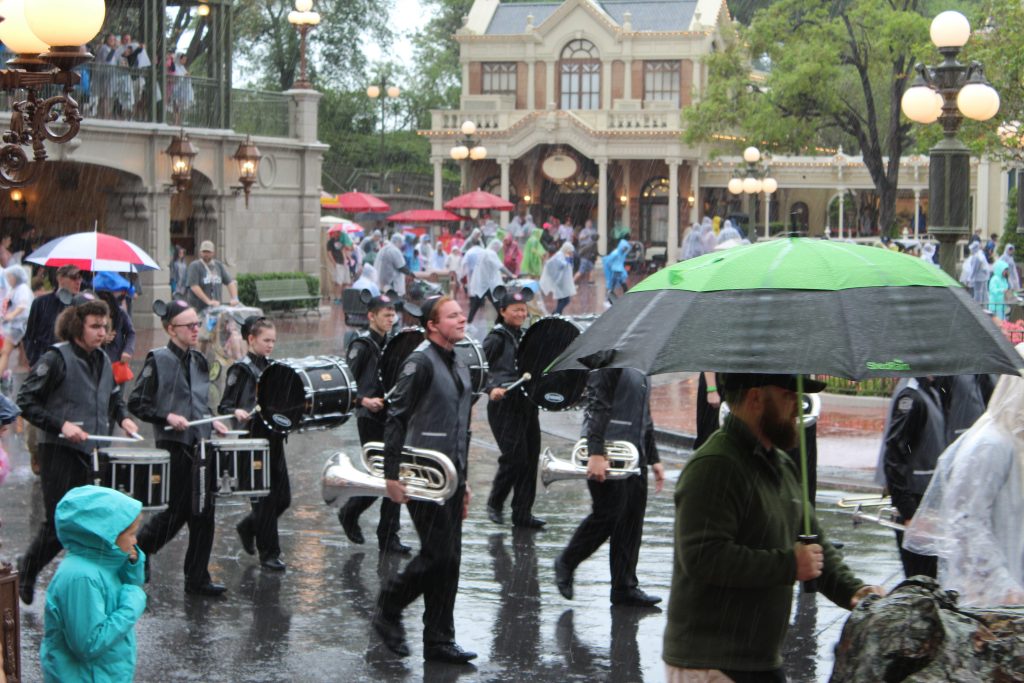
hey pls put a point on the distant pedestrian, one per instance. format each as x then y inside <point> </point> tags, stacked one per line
<point>179,272</point>
<point>513,255</point>
<point>557,279</point>
<point>975,272</point>
<point>96,595</point>
<point>615,273</point>
<point>998,284</point>
<point>1013,274</point>
<point>16,307</point>
<point>587,252</point>
<point>533,255</point>
<point>391,265</point>
<point>486,276</point>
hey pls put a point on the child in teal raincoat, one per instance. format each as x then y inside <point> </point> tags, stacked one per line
<point>997,286</point>
<point>96,595</point>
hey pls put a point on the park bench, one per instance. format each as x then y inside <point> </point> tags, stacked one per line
<point>293,289</point>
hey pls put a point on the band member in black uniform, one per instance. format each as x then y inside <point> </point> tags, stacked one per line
<point>618,409</point>
<point>513,418</point>
<point>430,409</point>
<point>258,531</point>
<point>364,353</point>
<point>173,390</point>
<point>69,395</point>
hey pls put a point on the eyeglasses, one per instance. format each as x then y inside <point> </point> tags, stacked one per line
<point>192,326</point>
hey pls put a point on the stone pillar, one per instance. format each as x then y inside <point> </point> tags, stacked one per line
<point>549,86</point>
<point>531,85</point>
<point>842,211</point>
<point>672,238</point>
<point>695,191</point>
<point>981,218</point>
<point>606,85</point>
<point>627,80</point>
<point>697,85</point>
<point>438,185</point>
<point>504,163</point>
<point>602,203</point>
<point>303,119</point>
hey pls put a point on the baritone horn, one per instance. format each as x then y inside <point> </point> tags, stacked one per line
<point>886,515</point>
<point>623,462</point>
<point>427,474</point>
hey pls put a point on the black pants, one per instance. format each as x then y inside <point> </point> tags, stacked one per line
<point>707,414</point>
<point>476,303</point>
<point>165,526</point>
<point>262,521</point>
<point>516,428</point>
<point>618,509</point>
<point>61,469</point>
<point>434,572</point>
<point>914,564</point>
<point>387,527</point>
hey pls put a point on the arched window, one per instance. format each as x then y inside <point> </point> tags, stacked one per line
<point>654,198</point>
<point>580,76</point>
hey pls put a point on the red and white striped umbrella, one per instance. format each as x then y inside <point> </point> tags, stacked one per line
<point>93,251</point>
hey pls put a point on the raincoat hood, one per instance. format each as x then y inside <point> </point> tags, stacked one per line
<point>19,274</point>
<point>999,267</point>
<point>90,518</point>
<point>110,282</point>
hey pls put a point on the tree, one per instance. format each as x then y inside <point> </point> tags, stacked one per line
<point>436,82</point>
<point>265,40</point>
<point>838,70</point>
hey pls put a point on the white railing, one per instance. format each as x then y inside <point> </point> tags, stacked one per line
<point>596,119</point>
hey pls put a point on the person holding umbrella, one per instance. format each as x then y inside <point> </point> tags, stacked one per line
<point>737,552</point>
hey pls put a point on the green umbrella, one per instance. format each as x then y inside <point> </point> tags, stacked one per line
<point>797,305</point>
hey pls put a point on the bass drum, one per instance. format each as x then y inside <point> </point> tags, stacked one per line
<point>541,344</point>
<point>316,392</point>
<point>472,354</point>
<point>396,350</point>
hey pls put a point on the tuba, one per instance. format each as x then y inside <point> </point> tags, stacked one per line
<point>623,462</point>
<point>428,475</point>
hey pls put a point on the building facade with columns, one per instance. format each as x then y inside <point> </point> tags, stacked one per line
<point>579,104</point>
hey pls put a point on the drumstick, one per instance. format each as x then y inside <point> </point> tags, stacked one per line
<point>390,391</point>
<point>205,420</point>
<point>525,378</point>
<point>118,439</point>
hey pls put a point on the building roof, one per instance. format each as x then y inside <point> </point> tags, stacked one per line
<point>648,15</point>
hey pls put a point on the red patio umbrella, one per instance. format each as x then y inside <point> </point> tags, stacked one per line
<point>479,199</point>
<point>360,202</point>
<point>424,216</point>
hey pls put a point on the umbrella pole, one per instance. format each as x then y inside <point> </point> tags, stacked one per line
<point>807,537</point>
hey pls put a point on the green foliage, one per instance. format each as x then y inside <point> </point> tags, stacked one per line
<point>436,82</point>
<point>247,289</point>
<point>1010,234</point>
<point>837,73</point>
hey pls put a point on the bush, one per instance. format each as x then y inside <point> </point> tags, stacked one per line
<point>876,386</point>
<point>247,290</point>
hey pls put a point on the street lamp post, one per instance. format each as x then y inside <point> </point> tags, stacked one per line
<point>754,180</point>
<point>377,91</point>
<point>947,93</point>
<point>303,19</point>
<point>468,148</point>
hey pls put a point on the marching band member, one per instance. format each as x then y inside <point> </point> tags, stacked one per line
<point>258,531</point>
<point>430,409</point>
<point>618,409</point>
<point>364,354</point>
<point>172,390</point>
<point>513,418</point>
<point>69,395</point>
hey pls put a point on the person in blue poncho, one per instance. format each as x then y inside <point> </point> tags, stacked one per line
<point>615,273</point>
<point>96,596</point>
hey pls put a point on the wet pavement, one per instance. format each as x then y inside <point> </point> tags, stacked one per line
<point>312,622</point>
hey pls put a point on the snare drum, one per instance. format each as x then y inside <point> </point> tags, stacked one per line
<point>241,467</point>
<point>542,343</point>
<point>142,473</point>
<point>316,392</point>
<point>472,354</point>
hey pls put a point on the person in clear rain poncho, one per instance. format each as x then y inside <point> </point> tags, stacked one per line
<point>557,279</point>
<point>485,277</point>
<point>1013,276</point>
<point>970,516</point>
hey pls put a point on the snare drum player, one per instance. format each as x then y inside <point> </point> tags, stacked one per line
<point>258,530</point>
<point>364,354</point>
<point>69,395</point>
<point>430,409</point>
<point>618,409</point>
<point>172,390</point>
<point>513,418</point>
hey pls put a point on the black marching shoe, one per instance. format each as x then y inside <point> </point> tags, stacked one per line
<point>393,545</point>
<point>247,537</point>
<point>351,527</point>
<point>274,564</point>
<point>209,589</point>
<point>532,522</point>
<point>563,578</point>
<point>449,653</point>
<point>494,514</point>
<point>391,631</point>
<point>634,597</point>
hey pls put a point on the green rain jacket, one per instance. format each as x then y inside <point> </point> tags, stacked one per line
<point>533,255</point>
<point>96,596</point>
